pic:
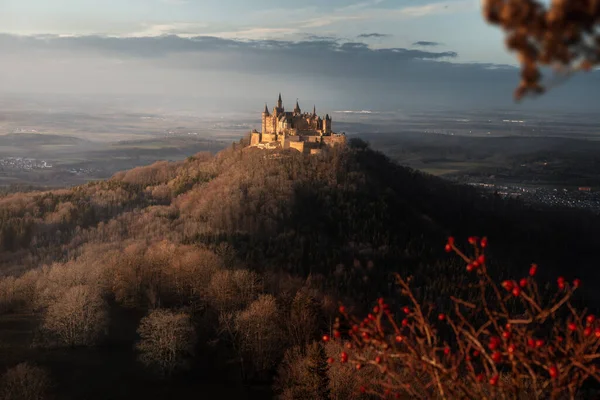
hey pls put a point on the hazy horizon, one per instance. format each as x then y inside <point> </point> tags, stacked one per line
<point>344,55</point>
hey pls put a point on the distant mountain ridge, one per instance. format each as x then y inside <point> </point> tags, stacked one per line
<point>39,139</point>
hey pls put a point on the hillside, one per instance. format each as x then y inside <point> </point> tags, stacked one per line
<point>309,230</point>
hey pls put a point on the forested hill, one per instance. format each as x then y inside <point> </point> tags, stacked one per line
<point>249,234</point>
<point>286,212</point>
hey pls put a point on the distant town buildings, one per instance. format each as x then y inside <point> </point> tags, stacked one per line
<point>305,132</point>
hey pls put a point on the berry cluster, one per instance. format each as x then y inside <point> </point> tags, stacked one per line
<point>539,348</point>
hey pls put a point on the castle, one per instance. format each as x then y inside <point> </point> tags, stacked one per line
<point>305,132</point>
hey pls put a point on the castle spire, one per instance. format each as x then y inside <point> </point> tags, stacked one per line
<point>314,110</point>
<point>279,102</point>
<point>266,110</point>
<point>297,109</point>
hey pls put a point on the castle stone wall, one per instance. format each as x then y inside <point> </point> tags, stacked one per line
<point>267,137</point>
<point>297,146</point>
<point>254,139</point>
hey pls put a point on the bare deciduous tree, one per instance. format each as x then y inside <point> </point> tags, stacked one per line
<point>233,290</point>
<point>564,35</point>
<point>78,318</point>
<point>167,341</point>
<point>24,382</point>
<point>259,333</point>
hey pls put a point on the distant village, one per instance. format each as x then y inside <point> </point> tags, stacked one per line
<point>24,164</point>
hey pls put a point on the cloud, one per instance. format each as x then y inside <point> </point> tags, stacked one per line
<point>348,74</point>
<point>426,43</point>
<point>163,46</point>
<point>309,36</point>
<point>175,2</point>
<point>183,29</point>
<point>373,35</point>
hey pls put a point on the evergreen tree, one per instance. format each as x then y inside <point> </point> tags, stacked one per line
<point>317,367</point>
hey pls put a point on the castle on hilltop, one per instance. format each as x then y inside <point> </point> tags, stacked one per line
<point>305,132</point>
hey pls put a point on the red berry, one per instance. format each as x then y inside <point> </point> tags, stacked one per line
<point>365,335</point>
<point>506,335</point>
<point>473,240</point>
<point>378,360</point>
<point>533,269</point>
<point>484,242</point>
<point>337,334</point>
<point>381,301</point>
<point>406,310</point>
<point>476,353</point>
<point>371,317</point>
<point>399,339</point>
<point>508,285</point>
<point>447,350</point>
<point>475,264</point>
<point>531,342</point>
<point>481,259</point>
<point>572,326</point>
<point>576,283</point>
<point>450,240</point>
<point>404,322</point>
<point>561,282</point>
<point>587,331</point>
<point>497,357</point>
<point>342,309</point>
<point>376,310</point>
<point>363,389</point>
<point>348,345</point>
<point>344,357</point>
<point>355,328</point>
<point>326,338</point>
<point>511,348</point>
<point>553,371</point>
<point>516,291</point>
<point>330,360</point>
<point>539,343</point>
<point>523,282</point>
<point>441,317</point>
<point>470,267</point>
<point>597,332</point>
<point>494,380</point>
<point>448,248</point>
<point>480,378</point>
<point>494,343</point>
<point>590,319</point>
<point>358,366</point>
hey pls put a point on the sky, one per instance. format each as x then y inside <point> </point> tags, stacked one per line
<point>356,54</point>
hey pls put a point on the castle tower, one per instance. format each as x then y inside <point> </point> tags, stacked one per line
<point>314,110</point>
<point>265,116</point>
<point>297,108</point>
<point>327,124</point>
<point>279,102</point>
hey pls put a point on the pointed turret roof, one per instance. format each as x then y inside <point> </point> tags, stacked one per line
<point>266,109</point>
<point>279,97</point>
<point>314,110</point>
<point>297,109</point>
